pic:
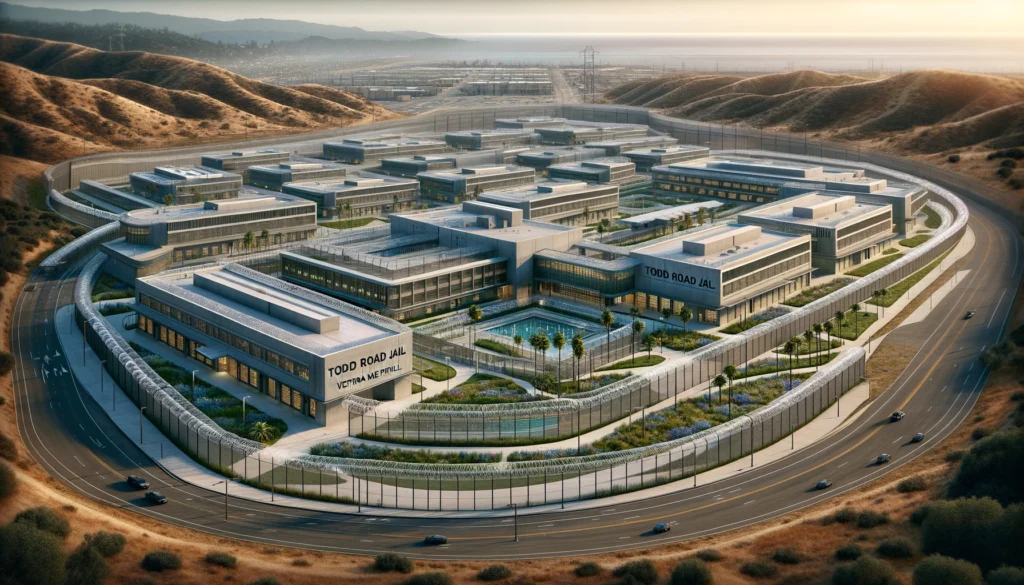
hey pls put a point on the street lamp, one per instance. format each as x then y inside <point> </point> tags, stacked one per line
<point>102,363</point>
<point>192,398</point>
<point>447,365</point>
<point>243,412</point>
<point>225,482</point>
<point>515,521</point>
<point>142,410</point>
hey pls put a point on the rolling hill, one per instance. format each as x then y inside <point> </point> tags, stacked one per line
<point>919,112</point>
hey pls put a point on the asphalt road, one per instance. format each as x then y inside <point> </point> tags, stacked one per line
<point>68,434</point>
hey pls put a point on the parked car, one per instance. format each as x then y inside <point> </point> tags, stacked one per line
<point>661,528</point>
<point>917,438</point>
<point>897,416</point>
<point>435,540</point>
<point>136,482</point>
<point>883,458</point>
<point>155,497</point>
<point>968,315</point>
<point>824,484</point>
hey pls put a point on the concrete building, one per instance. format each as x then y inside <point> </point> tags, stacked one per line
<point>456,185</point>
<point>598,170</point>
<point>586,132</point>
<point>647,158</point>
<point>843,232</point>
<point>185,184</point>
<point>542,158</point>
<point>414,165</point>
<point>484,139</point>
<point>669,216</point>
<point>617,147</point>
<point>433,261</point>
<point>375,148</point>
<point>303,349</point>
<point>357,196</point>
<point>274,177</point>
<point>530,122</point>
<point>154,239</point>
<point>561,202</point>
<point>240,161</point>
<point>508,87</point>
<point>103,196</point>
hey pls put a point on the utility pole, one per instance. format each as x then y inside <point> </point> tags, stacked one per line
<point>589,74</point>
<point>120,33</point>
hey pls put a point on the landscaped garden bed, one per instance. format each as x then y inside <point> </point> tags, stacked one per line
<point>550,454</point>
<point>866,269</point>
<point>109,288</point>
<point>380,453</point>
<point>680,340</point>
<point>811,294</point>
<point>894,292</point>
<point>915,241</point>
<point>934,220</point>
<point>782,364</point>
<point>496,347</point>
<point>484,389</point>
<point>585,385</point>
<point>432,370</point>
<point>637,361</point>
<point>755,320</point>
<point>853,326</point>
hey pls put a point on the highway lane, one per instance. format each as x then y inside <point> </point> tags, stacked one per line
<point>74,441</point>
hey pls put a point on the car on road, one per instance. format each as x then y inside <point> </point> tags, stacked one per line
<point>661,528</point>
<point>155,497</point>
<point>917,438</point>
<point>883,458</point>
<point>968,315</point>
<point>897,416</point>
<point>136,482</point>
<point>823,484</point>
<point>435,540</point>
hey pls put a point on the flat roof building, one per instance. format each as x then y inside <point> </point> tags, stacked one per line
<point>617,147</point>
<point>843,232</point>
<point>530,122</point>
<point>239,161</point>
<point>647,158</point>
<point>300,348</point>
<point>561,202</point>
<point>456,185</point>
<point>598,170</point>
<point>414,165</point>
<point>542,158</point>
<point>185,184</point>
<point>275,176</point>
<point>357,196</point>
<point>374,148</point>
<point>151,240</point>
<point>586,132</point>
<point>508,87</point>
<point>668,216</point>
<point>433,261</point>
<point>484,139</point>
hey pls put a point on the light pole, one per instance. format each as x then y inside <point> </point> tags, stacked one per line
<point>141,411</point>
<point>225,482</point>
<point>192,398</point>
<point>102,363</point>
<point>515,520</point>
<point>243,412</point>
<point>447,366</point>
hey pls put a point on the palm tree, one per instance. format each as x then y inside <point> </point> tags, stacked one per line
<point>518,340</point>
<point>791,348</point>
<point>559,343</point>
<point>855,307</point>
<point>578,351</point>
<point>638,330</point>
<point>881,295</point>
<point>608,319</point>
<point>659,338</point>
<point>840,319</point>
<point>601,230</point>
<point>265,236</point>
<point>534,342</point>
<point>247,240</point>
<point>667,314</point>
<point>648,344</point>
<point>261,431</point>
<point>168,200</point>
<point>817,341</point>
<point>877,296</point>
<point>719,381</point>
<point>730,372</point>
<point>808,336</point>
<point>685,315</point>
<point>634,311</point>
<point>474,313</point>
<point>543,343</point>
<point>827,326</point>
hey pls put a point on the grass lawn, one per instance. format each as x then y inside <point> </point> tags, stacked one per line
<point>432,370</point>
<point>484,389</point>
<point>771,365</point>
<point>915,241</point>
<point>108,287</point>
<point>888,251</point>
<point>680,340</point>
<point>753,321</point>
<point>934,220</point>
<point>354,451</point>
<point>804,349</point>
<point>814,293</point>
<point>496,347</point>
<point>894,292</point>
<point>109,310</point>
<point>866,269</point>
<point>345,224</point>
<point>588,384</point>
<point>852,330</point>
<point>639,361</point>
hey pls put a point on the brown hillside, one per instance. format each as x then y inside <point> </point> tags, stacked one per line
<point>924,111</point>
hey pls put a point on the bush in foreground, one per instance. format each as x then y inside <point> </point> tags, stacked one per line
<point>161,560</point>
<point>759,569</point>
<point>8,450</point>
<point>1006,576</point>
<point>108,544</point>
<point>86,566</point>
<point>787,556</point>
<point>918,516</point>
<point>691,572</point>
<point>870,519</point>
<point>912,484</point>
<point>896,548</point>
<point>850,552</point>
<point>265,581</point>
<point>388,562</point>
<point>587,569</point>
<point>643,572</point>
<point>46,520</point>
<point>865,571</point>
<point>6,362</point>
<point>431,578</point>
<point>494,573</point>
<point>940,570</point>
<point>8,481</point>
<point>30,556</point>
<point>709,555</point>
<point>221,559</point>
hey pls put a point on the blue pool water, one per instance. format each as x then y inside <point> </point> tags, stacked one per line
<point>530,325</point>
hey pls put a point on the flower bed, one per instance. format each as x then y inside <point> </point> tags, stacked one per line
<point>772,365</point>
<point>741,326</point>
<point>379,453</point>
<point>686,340</point>
<point>484,389</point>
<point>809,295</point>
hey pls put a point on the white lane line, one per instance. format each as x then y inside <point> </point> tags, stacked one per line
<point>750,502</point>
<point>624,538</point>
<point>996,310</point>
<point>80,426</point>
<point>735,490</point>
<point>78,460</point>
<point>971,368</point>
<point>929,409</point>
<point>897,440</point>
<point>842,464</point>
<point>631,518</point>
<point>943,389</point>
<point>550,525</point>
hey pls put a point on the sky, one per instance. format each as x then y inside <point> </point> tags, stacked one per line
<point>606,17</point>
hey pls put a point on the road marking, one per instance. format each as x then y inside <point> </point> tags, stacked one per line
<point>631,518</point>
<point>545,526</point>
<point>898,440</point>
<point>750,502</point>
<point>365,540</point>
<point>929,409</point>
<point>943,389</point>
<point>735,490</point>
<point>842,464</point>
<point>971,368</point>
<point>78,460</point>
<point>996,310</point>
<point>80,426</point>
<point>624,538</point>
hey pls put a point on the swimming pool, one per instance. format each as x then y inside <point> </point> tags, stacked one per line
<point>530,325</point>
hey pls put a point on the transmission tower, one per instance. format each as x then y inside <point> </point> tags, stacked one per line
<point>120,33</point>
<point>589,74</point>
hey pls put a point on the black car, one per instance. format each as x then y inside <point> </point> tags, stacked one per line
<point>917,438</point>
<point>156,497</point>
<point>137,482</point>
<point>897,416</point>
<point>883,458</point>
<point>823,484</point>
<point>968,315</point>
<point>435,540</point>
<point>661,528</point>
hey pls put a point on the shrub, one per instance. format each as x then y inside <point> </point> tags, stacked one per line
<point>161,560</point>
<point>787,556</point>
<point>918,516</point>
<point>86,566</point>
<point>387,562</point>
<point>940,570</point>
<point>6,362</point>
<point>431,578</point>
<point>759,569</point>
<point>912,484</point>
<point>30,556</point>
<point>494,573</point>
<point>587,569</point>
<point>265,581</point>
<point>954,456</point>
<point>46,520</point>
<point>691,572</point>
<point>642,571</point>
<point>842,516</point>
<point>1008,163</point>
<point>8,481</point>
<point>709,554</point>
<point>864,571</point>
<point>979,433</point>
<point>850,552</point>
<point>1006,576</point>
<point>954,158</point>
<point>896,548</point>
<point>1004,172</point>
<point>960,528</point>
<point>992,468</point>
<point>221,559</point>
<point>300,563</point>
<point>870,519</point>
<point>107,544</point>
